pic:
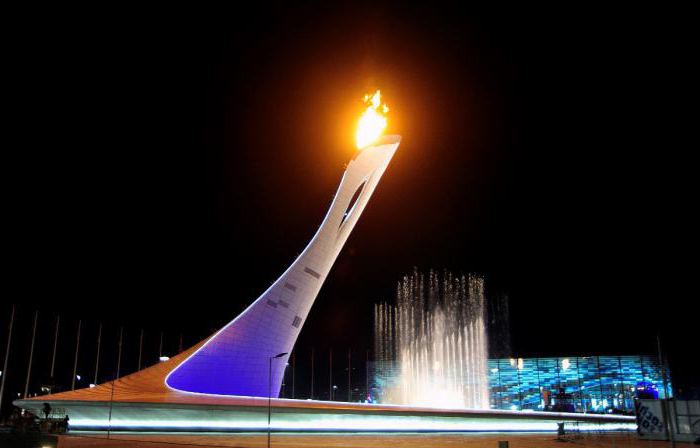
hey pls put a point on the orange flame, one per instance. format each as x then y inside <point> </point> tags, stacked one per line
<point>372,121</point>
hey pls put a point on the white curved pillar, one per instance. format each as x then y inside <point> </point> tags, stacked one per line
<point>235,360</point>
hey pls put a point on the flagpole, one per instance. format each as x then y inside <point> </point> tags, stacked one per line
<point>97,358</point>
<point>55,344</point>
<point>119,358</point>
<point>7,355</point>
<point>75,361</point>
<point>140,348</point>
<point>31,356</point>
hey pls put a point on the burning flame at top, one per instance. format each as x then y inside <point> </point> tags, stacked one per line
<point>372,121</point>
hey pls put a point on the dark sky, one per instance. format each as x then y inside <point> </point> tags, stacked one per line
<point>162,168</point>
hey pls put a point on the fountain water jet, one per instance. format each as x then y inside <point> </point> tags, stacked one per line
<point>435,339</point>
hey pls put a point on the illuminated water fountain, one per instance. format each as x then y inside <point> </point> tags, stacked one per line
<point>434,339</point>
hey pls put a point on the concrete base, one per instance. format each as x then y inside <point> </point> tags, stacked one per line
<point>313,416</point>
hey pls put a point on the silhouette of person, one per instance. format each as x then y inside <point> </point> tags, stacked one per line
<point>47,410</point>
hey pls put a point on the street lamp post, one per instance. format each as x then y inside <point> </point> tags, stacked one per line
<point>269,395</point>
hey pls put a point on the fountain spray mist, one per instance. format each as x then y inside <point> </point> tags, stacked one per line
<point>435,340</point>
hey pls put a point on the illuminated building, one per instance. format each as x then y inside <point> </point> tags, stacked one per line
<point>599,384</point>
<point>592,384</point>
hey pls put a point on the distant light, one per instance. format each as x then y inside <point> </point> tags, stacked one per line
<point>77,377</point>
<point>565,364</point>
<point>520,363</point>
<point>164,358</point>
<point>92,385</point>
<point>494,370</point>
<point>513,408</point>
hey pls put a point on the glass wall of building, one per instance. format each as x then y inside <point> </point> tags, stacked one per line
<point>600,384</point>
<point>575,384</point>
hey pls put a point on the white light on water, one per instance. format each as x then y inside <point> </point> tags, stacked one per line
<point>435,339</point>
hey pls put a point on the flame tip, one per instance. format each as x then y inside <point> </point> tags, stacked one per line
<point>372,121</point>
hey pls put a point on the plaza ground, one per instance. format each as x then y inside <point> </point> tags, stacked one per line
<point>357,440</point>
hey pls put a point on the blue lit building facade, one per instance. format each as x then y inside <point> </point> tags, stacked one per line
<point>575,384</point>
<point>591,384</point>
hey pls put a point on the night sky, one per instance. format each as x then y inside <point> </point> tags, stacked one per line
<point>162,168</point>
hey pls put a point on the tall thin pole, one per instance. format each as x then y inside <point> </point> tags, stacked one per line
<point>77,350</point>
<point>7,355</point>
<point>55,344</point>
<point>294,361</point>
<point>621,377</point>
<point>160,347</point>
<point>31,356</point>
<point>179,347</point>
<point>662,364</point>
<point>119,356</point>
<point>111,403</point>
<point>600,379</point>
<point>367,374</point>
<point>520,389</point>
<point>580,391</point>
<point>665,402</point>
<point>140,348</point>
<point>349,383</point>
<point>269,396</point>
<point>312,373</point>
<point>97,357</point>
<point>269,402</point>
<point>330,375</point>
